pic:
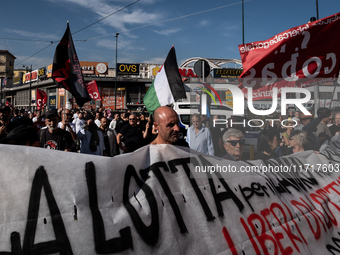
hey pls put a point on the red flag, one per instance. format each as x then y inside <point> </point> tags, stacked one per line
<point>92,88</point>
<point>41,99</point>
<point>9,104</point>
<point>303,56</point>
<point>66,70</point>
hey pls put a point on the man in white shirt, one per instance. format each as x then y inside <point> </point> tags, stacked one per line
<point>199,137</point>
<point>91,139</point>
<point>79,122</point>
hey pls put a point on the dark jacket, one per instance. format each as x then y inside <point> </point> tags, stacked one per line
<point>313,142</point>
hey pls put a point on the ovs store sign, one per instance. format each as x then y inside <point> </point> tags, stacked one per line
<point>127,69</point>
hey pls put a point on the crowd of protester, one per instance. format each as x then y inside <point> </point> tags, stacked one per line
<point>284,136</point>
<point>107,133</point>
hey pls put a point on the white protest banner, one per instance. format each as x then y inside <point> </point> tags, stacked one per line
<point>161,200</point>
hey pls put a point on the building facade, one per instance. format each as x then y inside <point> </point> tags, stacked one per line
<point>132,81</point>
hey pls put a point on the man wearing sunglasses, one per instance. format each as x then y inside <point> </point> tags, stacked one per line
<point>134,136</point>
<point>233,142</point>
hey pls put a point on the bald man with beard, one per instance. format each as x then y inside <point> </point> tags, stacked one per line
<point>166,123</point>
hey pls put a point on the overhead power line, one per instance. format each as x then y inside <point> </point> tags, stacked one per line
<point>34,54</point>
<point>176,18</point>
<point>127,30</point>
<point>107,16</point>
<point>26,40</point>
<point>52,42</point>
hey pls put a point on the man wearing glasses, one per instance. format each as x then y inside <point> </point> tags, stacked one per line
<point>233,142</point>
<point>133,136</point>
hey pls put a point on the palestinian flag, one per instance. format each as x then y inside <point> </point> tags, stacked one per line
<point>167,87</point>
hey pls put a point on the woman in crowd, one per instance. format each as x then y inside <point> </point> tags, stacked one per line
<point>298,140</point>
<point>267,142</point>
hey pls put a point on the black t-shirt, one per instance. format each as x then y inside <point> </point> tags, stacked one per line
<point>133,137</point>
<point>334,128</point>
<point>9,127</point>
<point>120,123</point>
<point>263,156</point>
<point>60,140</point>
<point>26,121</point>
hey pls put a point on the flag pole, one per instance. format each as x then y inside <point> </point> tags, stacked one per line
<point>242,21</point>
<point>65,95</point>
<point>64,102</point>
<point>116,72</point>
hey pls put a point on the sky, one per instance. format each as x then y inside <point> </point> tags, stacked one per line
<point>147,28</point>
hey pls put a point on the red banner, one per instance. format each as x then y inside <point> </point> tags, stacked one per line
<point>303,56</point>
<point>92,88</point>
<point>41,99</point>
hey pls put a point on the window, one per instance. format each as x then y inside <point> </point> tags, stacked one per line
<point>326,95</point>
<point>22,98</point>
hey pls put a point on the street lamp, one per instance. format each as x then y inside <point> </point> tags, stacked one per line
<point>30,95</point>
<point>116,72</point>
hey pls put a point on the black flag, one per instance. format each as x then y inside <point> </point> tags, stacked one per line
<point>66,70</point>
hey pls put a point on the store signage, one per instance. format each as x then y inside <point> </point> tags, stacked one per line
<point>184,72</point>
<point>127,69</point>
<point>29,77</point>
<point>94,67</point>
<point>52,102</point>
<point>61,91</point>
<point>187,72</point>
<point>17,81</point>
<point>49,71</point>
<point>42,73</point>
<point>87,67</point>
<point>227,72</point>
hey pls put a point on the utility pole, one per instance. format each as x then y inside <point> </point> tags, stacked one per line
<point>116,72</point>
<point>30,92</point>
